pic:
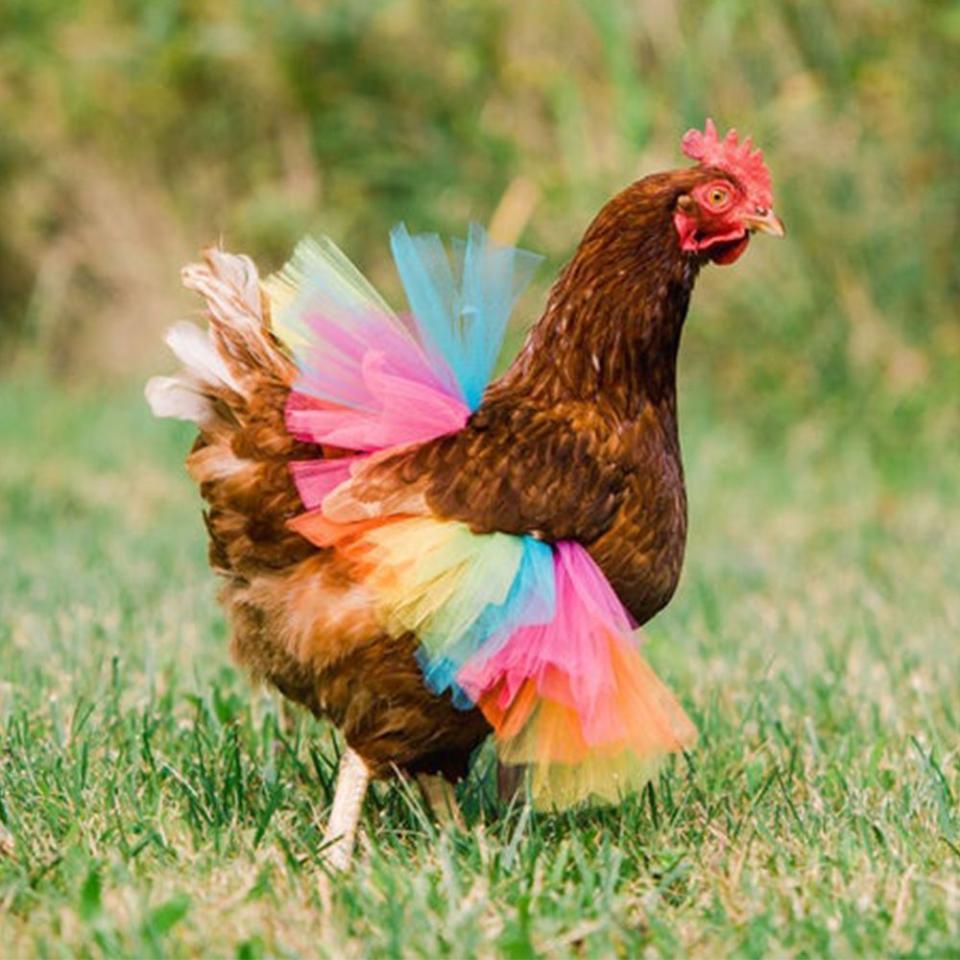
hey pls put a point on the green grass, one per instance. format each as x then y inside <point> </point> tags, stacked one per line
<point>159,806</point>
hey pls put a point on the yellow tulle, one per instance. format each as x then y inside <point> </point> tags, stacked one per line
<point>433,577</point>
<point>319,271</point>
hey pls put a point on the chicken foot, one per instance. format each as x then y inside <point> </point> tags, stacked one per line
<point>441,799</point>
<point>353,777</point>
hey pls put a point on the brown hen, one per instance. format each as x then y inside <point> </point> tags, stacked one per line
<point>577,441</point>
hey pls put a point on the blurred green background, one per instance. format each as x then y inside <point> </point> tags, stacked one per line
<point>152,804</point>
<point>132,133</point>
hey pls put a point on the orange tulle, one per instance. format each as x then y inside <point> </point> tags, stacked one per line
<point>316,528</point>
<point>543,730</point>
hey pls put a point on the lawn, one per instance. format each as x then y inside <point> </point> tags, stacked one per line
<point>154,804</point>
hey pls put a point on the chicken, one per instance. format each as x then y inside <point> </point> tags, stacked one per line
<point>473,555</point>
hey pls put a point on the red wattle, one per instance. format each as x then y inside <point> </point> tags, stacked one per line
<point>730,252</point>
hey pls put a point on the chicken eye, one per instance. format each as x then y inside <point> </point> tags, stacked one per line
<point>718,196</point>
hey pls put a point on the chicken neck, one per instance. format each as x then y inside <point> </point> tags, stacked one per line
<point>610,331</point>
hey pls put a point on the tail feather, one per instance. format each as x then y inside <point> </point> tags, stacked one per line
<point>234,385</point>
<point>197,351</point>
<point>204,385</point>
<point>239,316</point>
<point>181,398</point>
<point>224,365</point>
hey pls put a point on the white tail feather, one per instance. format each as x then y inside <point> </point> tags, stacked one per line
<point>178,397</point>
<point>239,325</point>
<point>231,355</point>
<point>231,289</point>
<point>195,349</point>
<point>230,285</point>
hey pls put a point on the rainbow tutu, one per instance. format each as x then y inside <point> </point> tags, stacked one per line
<point>530,632</point>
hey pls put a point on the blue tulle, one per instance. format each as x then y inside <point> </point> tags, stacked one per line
<point>461,308</point>
<point>531,600</point>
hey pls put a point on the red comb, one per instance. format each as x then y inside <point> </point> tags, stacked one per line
<point>738,159</point>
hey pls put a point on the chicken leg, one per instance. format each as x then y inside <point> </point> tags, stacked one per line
<point>353,777</point>
<point>441,799</point>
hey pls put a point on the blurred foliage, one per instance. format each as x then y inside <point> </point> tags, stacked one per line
<point>134,131</point>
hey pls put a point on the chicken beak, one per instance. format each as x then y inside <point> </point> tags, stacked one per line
<point>765,221</point>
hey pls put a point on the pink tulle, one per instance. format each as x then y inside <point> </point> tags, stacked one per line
<point>389,394</point>
<point>567,658</point>
<point>316,478</point>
